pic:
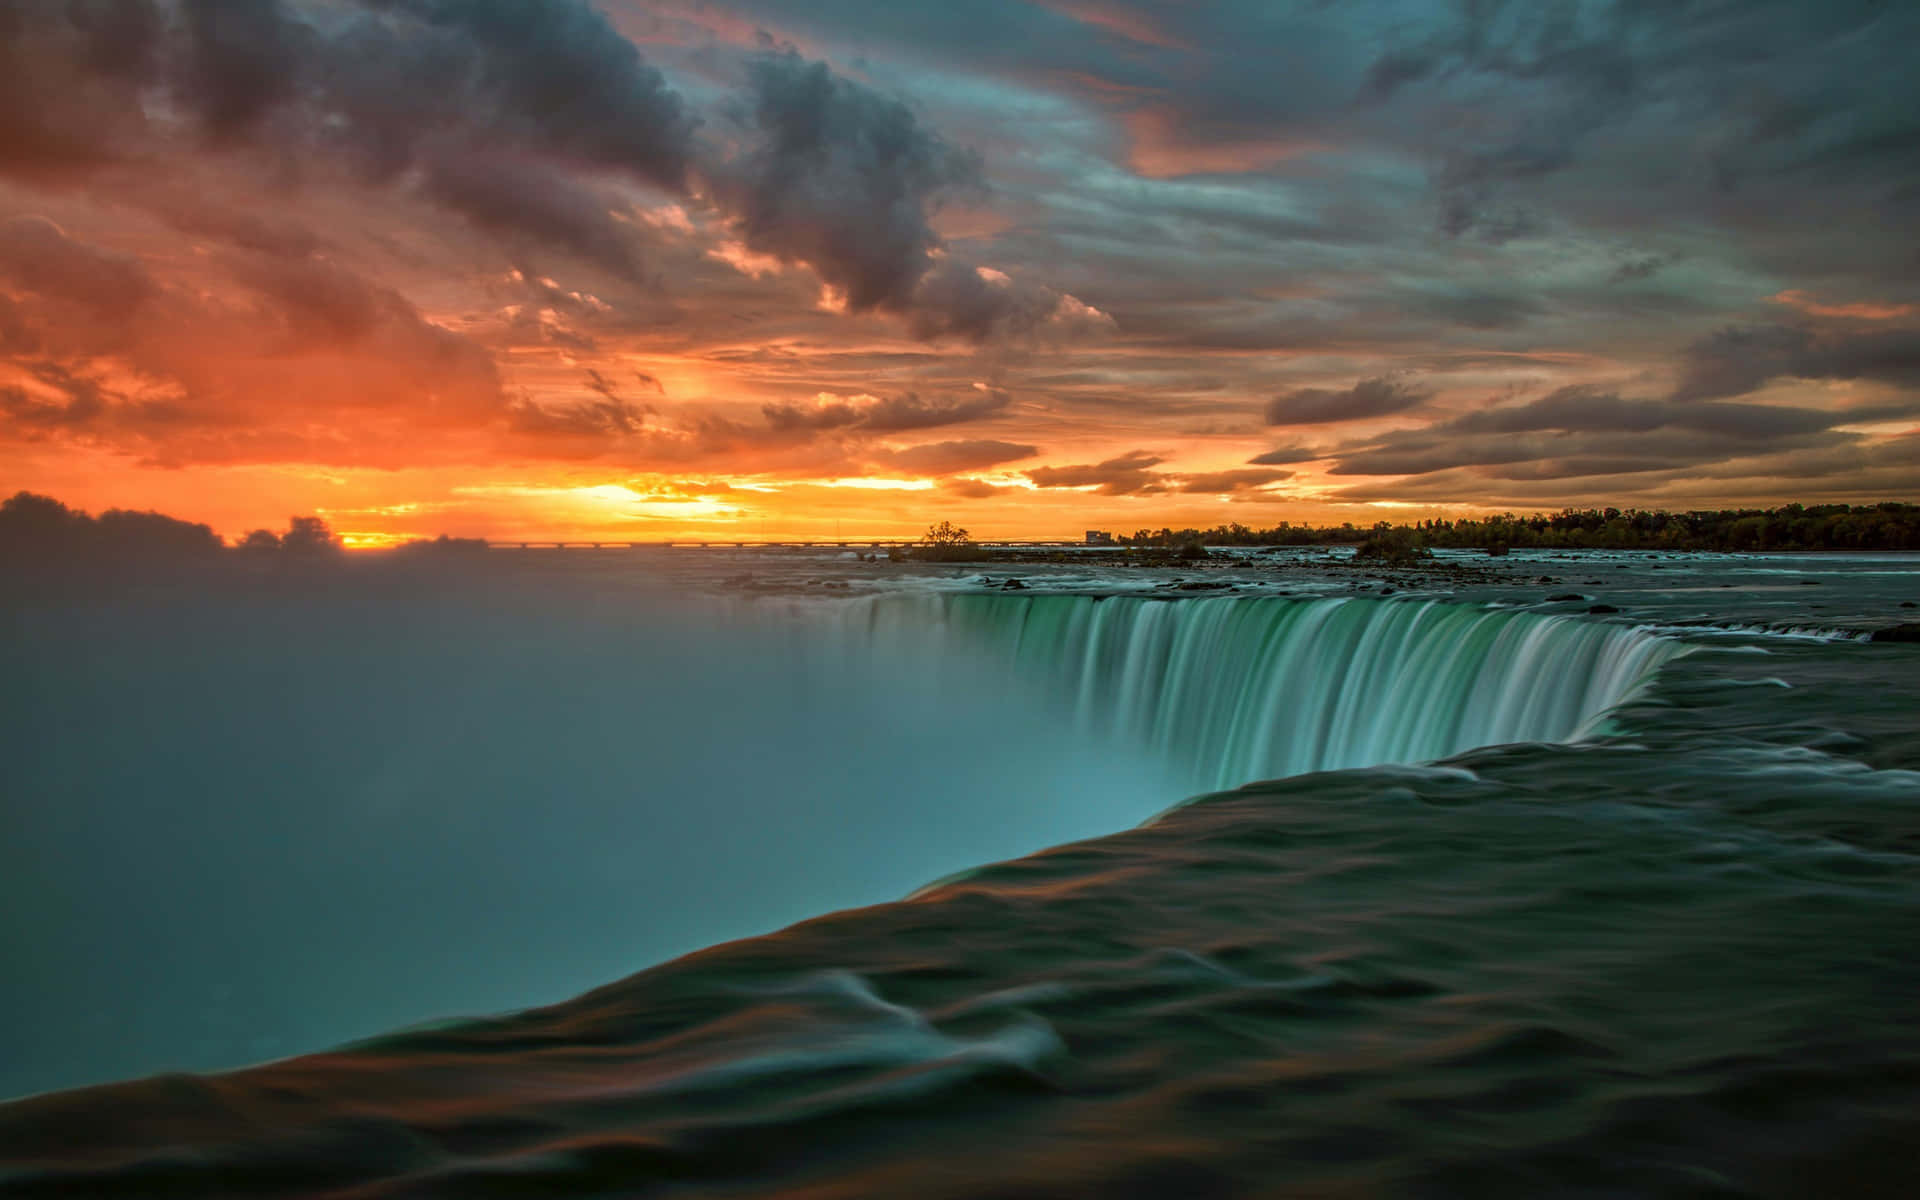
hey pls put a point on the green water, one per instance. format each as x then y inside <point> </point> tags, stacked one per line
<point>1676,957</point>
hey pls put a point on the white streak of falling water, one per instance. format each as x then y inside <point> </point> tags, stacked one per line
<point>1235,689</point>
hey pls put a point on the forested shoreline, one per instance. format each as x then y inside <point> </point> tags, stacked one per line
<point>1888,526</point>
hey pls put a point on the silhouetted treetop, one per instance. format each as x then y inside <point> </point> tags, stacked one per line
<point>40,528</point>
<point>35,528</point>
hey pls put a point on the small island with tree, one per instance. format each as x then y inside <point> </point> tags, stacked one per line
<point>946,542</point>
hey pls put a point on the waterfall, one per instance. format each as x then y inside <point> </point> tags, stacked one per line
<point>1236,689</point>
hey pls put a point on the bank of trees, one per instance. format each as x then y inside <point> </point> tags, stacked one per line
<point>1889,526</point>
<point>36,528</point>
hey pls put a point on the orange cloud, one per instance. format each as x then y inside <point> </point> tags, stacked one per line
<point>1162,148</point>
<point>1116,19</point>
<point>1858,311</point>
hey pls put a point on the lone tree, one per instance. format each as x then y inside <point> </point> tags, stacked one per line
<point>946,533</point>
<point>946,542</point>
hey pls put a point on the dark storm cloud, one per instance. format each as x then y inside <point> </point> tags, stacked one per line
<point>841,178</point>
<point>381,77</point>
<point>1741,359</point>
<point>557,76</point>
<point>504,112</point>
<point>389,83</point>
<point>947,458</point>
<point>1378,397</point>
<point>243,60</point>
<point>1123,476</point>
<point>515,199</point>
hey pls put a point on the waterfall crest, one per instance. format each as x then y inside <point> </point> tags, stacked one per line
<point>1238,689</point>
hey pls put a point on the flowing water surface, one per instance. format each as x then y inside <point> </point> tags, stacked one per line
<point>1516,898</point>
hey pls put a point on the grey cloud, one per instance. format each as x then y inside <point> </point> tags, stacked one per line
<point>1123,476</point>
<point>1583,431</point>
<point>1594,410</point>
<point>1740,359</point>
<point>908,411</point>
<point>947,458</point>
<point>955,299</point>
<point>1643,266</point>
<point>512,198</point>
<point>1378,397</point>
<point>892,414</point>
<point>244,59</point>
<point>1851,468</point>
<point>1225,482</point>
<point>390,83</point>
<point>793,418</point>
<point>558,77</point>
<point>839,177</point>
<point>1480,309</point>
<point>1284,456</point>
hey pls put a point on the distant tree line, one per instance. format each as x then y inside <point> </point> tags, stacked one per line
<point>40,528</point>
<point>1888,526</point>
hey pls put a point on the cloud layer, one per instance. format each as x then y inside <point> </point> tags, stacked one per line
<point>1068,260</point>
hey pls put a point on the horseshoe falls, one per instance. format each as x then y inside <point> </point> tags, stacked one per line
<point>1241,689</point>
<point>768,874</point>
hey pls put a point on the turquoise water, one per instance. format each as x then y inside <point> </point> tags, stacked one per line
<point>1536,901</point>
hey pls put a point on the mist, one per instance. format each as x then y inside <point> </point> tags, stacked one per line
<point>258,810</point>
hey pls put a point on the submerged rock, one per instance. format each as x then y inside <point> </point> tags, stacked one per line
<point>1602,608</point>
<point>1906,632</point>
<point>1563,596</point>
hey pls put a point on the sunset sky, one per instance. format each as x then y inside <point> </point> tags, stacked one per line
<point>777,268</point>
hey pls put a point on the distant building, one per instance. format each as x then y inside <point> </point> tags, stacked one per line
<point>1099,537</point>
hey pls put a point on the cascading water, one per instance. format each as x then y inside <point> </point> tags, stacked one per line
<point>1236,689</point>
